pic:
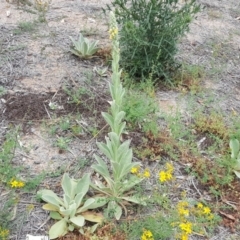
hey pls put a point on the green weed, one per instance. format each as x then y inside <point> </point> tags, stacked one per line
<point>25,26</point>
<point>62,143</point>
<point>2,91</point>
<point>188,78</point>
<point>138,107</point>
<point>7,171</point>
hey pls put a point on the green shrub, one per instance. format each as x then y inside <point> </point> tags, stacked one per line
<point>150,31</point>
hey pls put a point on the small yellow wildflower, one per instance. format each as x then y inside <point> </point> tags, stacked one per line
<point>166,175</point>
<point>183,212</point>
<point>16,184</point>
<point>206,210</point>
<point>147,235</point>
<point>184,236</point>
<point>186,227</point>
<point>135,170</point>
<point>182,208</point>
<point>162,176</point>
<point>146,173</point>
<point>200,205</point>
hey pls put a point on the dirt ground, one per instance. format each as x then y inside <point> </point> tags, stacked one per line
<point>35,66</point>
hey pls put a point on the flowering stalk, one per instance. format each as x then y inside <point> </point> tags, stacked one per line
<point>119,182</point>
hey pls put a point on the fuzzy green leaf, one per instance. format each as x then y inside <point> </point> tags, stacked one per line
<point>79,221</point>
<point>58,229</point>
<point>68,186</point>
<point>78,199</point>
<point>83,185</point>
<point>51,200</point>
<point>85,206</point>
<point>55,215</point>
<point>115,208</point>
<point>135,199</point>
<point>101,167</point>
<point>98,202</point>
<point>45,193</point>
<point>234,146</point>
<point>50,207</point>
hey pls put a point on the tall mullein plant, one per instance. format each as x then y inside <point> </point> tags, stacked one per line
<point>119,183</point>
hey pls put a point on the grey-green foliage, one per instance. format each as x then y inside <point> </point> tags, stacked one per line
<point>72,210</point>
<point>119,182</point>
<point>150,32</point>
<point>83,47</point>
<point>235,156</point>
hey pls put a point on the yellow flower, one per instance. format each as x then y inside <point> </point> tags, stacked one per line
<point>206,210</point>
<point>135,170</point>
<point>147,235</point>
<point>166,175</point>
<point>182,208</point>
<point>162,176</point>
<point>183,212</point>
<point>184,236</point>
<point>16,184</point>
<point>146,173</point>
<point>186,227</point>
<point>200,205</point>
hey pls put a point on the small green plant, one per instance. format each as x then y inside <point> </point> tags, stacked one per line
<point>26,26</point>
<point>7,171</point>
<point>138,107</point>
<point>62,143</point>
<point>84,48</point>
<point>76,94</point>
<point>102,72</point>
<point>72,210</point>
<point>2,91</point>
<point>65,124</point>
<point>118,186</point>
<point>235,156</point>
<point>150,31</point>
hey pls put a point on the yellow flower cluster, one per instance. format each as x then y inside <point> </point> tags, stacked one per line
<point>186,228</point>
<point>113,33</point>
<point>182,208</point>
<point>145,174</point>
<point>202,210</point>
<point>184,225</point>
<point>4,233</point>
<point>16,184</point>
<point>147,235</point>
<point>166,175</point>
